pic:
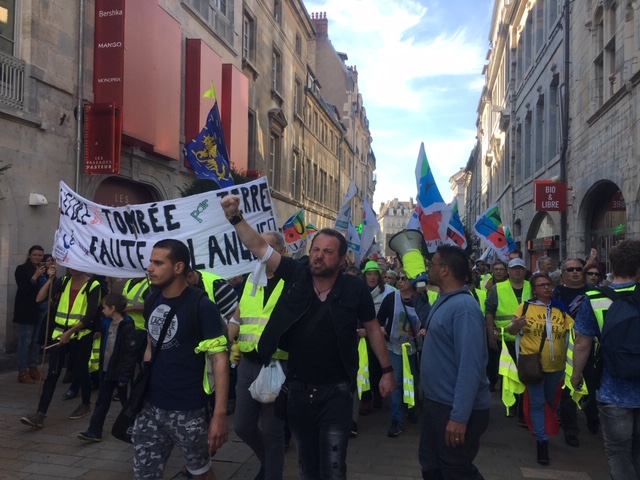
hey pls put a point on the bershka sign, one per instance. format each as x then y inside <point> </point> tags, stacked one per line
<point>550,196</point>
<point>109,52</point>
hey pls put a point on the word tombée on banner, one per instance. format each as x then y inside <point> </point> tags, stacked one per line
<point>117,241</point>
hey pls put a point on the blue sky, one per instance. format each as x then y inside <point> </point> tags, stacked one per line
<point>430,53</point>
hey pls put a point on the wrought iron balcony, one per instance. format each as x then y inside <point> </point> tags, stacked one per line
<point>11,82</point>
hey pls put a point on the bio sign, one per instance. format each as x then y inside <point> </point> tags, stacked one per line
<point>550,196</point>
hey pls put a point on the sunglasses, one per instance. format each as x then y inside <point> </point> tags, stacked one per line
<point>402,279</point>
<point>573,269</point>
<point>596,274</point>
<point>544,285</point>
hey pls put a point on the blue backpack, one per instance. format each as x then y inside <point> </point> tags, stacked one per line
<point>620,336</point>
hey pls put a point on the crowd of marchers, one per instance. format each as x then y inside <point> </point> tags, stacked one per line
<point>345,337</point>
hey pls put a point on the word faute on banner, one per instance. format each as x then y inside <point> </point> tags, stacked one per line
<point>117,241</point>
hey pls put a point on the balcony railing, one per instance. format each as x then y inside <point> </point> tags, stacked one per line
<point>11,82</point>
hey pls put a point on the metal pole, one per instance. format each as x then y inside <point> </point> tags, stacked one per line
<point>80,95</point>
<point>565,129</point>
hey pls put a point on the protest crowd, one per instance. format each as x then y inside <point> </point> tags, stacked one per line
<point>299,347</point>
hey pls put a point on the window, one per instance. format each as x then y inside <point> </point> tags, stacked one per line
<point>7,26</point>
<point>217,14</point>
<point>248,37</point>
<point>538,134</point>
<point>607,73</point>
<point>539,24</point>
<point>277,11</point>
<point>308,175</point>
<point>323,132</point>
<point>251,140</point>
<point>297,174</point>
<point>297,97</point>
<point>315,123</point>
<point>554,126</point>
<point>275,172</point>
<point>527,156</point>
<point>276,71</point>
<point>518,156</point>
<point>298,45</point>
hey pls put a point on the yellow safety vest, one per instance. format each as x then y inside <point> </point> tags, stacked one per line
<point>511,384</point>
<point>482,298</point>
<point>362,378</point>
<point>576,395</point>
<point>484,278</point>
<point>408,392</point>
<point>433,296</point>
<point>210,347</point>
<point>207,279</point>
<point>68,316</point>
<point>135,298</point>
<point>94,359</point>
<point>508,304</point>
<point>254,316</point>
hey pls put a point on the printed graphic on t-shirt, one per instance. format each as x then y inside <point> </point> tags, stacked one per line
<point>156,321</point>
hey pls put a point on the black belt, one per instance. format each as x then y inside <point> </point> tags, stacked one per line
<point>298,386</point>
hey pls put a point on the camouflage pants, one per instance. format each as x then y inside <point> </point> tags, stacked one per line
<point>156,431</point>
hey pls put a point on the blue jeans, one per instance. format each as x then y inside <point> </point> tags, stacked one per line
<point>621,435</point>
<point>28,353</point>
<point>397,394</point>
<point>320,421</point>
<point>539,394</point>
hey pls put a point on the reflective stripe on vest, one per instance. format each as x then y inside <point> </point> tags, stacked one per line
<point>135,298</point>
<point>408,392</point>
<point>362,378</point>
<point>508,304</point>
<point>511,384</point>
<point>67,318</point>
<point>576,395</point>
<point>94,359</point>
<point>207,280</point>
<point>600,303</point>
<point>254,315</point>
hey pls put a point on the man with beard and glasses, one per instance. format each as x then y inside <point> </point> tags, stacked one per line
<point>315,320</point>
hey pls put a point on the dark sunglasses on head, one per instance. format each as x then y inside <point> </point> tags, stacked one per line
<point>402,279</point>
<point>593,273</point>
<point>573,269</point>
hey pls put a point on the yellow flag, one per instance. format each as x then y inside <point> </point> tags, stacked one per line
<point>211,93</point>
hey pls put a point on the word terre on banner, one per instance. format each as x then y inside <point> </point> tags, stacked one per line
<point>117,241</point>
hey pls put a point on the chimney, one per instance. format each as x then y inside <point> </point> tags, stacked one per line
<point>320,24</point>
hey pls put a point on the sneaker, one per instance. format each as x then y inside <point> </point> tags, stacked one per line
<point>81,411</point>
<point>542,452</point>
<point>572,440</point>
<point>89,437</point>
<point>34,420</point>
<point>69,394</point>
<point>394,430</point>
<point>354,430</point>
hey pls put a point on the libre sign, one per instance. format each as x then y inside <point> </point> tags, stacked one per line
<point>550,196</point>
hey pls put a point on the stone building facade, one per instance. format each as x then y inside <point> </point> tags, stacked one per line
<point>260,54</point>
<point>393,218</point>
<point>560,104</point>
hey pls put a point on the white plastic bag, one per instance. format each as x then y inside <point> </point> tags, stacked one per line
<point>266,387</point>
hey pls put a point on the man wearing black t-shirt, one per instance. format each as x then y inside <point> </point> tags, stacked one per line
<point>315,321</point>
<point>175,402</point>
<point>571,293</point>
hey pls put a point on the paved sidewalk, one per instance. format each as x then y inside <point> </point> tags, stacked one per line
<point>507,452</point>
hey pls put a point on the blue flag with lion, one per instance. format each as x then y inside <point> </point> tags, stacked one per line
<point>207,153</point>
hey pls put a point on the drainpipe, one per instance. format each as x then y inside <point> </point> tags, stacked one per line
<point>565,129</point>
<point>80,95</point>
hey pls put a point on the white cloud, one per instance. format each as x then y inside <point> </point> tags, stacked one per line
<point>422,81</point>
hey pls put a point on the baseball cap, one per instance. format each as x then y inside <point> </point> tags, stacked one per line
<point>371,266</point>
<point>517,262</point>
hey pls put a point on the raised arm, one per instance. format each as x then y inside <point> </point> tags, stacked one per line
<point>247,234</point>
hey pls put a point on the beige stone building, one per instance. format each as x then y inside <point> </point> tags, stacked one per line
<point>393,218</point>
<point>280,117</point>
<point>560,104</point>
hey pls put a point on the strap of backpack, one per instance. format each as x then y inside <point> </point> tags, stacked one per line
<point>609,292</point>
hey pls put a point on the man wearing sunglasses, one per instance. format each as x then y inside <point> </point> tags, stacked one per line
<point>570,292</point>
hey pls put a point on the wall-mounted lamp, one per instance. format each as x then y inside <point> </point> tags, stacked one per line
<point>37,199</point>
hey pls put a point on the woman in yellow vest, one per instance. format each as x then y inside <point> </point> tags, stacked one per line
<point>540,322</point>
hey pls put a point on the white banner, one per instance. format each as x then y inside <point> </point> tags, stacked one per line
<point>117,241</point>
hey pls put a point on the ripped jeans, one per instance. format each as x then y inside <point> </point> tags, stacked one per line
<point>320,421</point>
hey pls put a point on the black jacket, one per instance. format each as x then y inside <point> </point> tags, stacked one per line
<point>345,301</point>
<point>26,310</point>
<point>123,359</point>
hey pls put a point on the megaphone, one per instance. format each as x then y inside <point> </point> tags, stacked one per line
<point>407,244</point>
